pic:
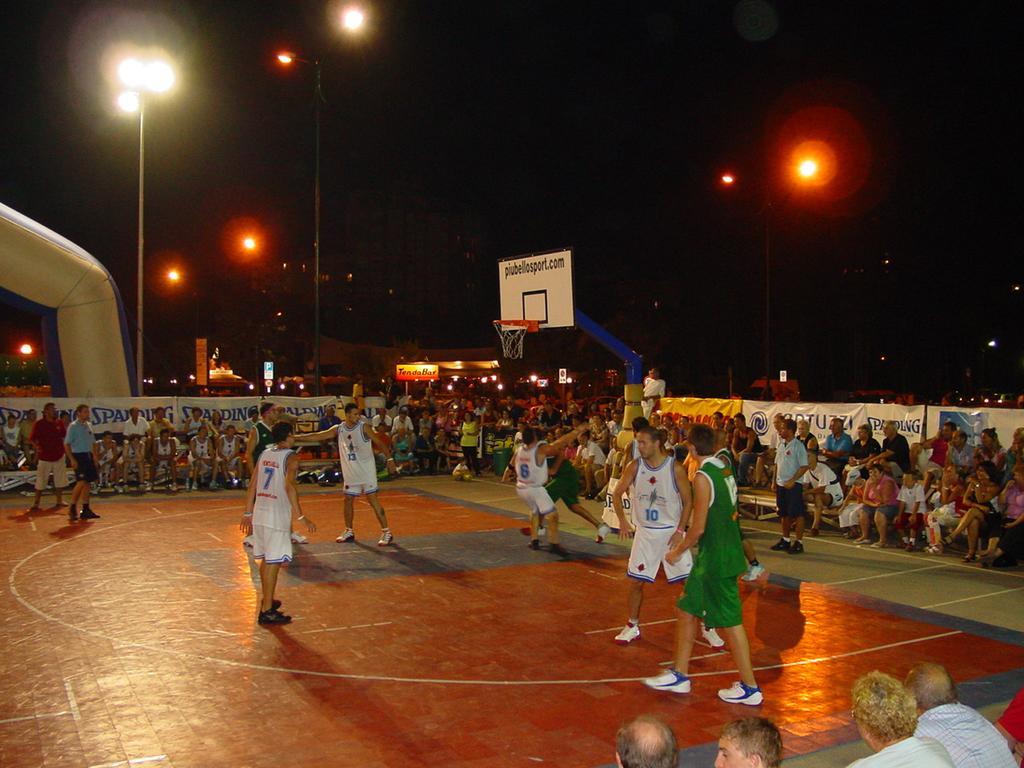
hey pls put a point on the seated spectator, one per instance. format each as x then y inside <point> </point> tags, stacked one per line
<point>230,464</point>
<point>132,462</point>
<point>504,420</point>
<point>25,426</point>
<point>164,456</point>
<point>194,422</point>
<point>912,509</point>
<point>886,716</point>
<point>764,468</point>
<point>838,445</point>
<point>599,432</point>
<point>960,453</point>
<point>1015,453</point>
<point>646,742</point>
<point>865,448</point>
<point>424,453</point>
<point>753,742</point>
<point>202,458</point>
<point>1011,726</point>
<point>895,451</point>
<point>614,425</point>
<point>107,451</point>
<point>970,739</point>
<point>880,504</point>
<point>402,450</point>
<point>745,447</point>
<point>10,443</point>
<point>381,420</point>
<point>821,489</point>
<point>980,518</point>
<point>549,417</point>
<point>991,450</point>
<point>216,425</point>
<point>592,460</point>
<point>329,419</point>
<point>803,434</point>
<point>949,508</point>
<point>1010,547</point>
<point>852,509</point>
<point>931,465</point>
<point>159,423</point>
<point>403,420</point>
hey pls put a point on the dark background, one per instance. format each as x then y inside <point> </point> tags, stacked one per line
<point>458,133</point>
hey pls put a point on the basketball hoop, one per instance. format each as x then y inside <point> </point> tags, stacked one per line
<point>512,333</point>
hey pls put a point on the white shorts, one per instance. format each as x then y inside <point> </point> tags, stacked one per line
<point>537,499</point>
<point>609,516</point>
<point>945,515</point>
<point>850,516</point>
<point>833,499</point>
<point>360,489</point>
<point>271,544</point>
<point>647,557</point>
<point>59,468</point>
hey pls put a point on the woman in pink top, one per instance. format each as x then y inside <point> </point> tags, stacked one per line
<point>1011,545</point>
<point>880,499</point>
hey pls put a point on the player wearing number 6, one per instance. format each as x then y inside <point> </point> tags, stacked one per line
<point>531,468</point>
<point>268,516</point>
<point>661,505</point>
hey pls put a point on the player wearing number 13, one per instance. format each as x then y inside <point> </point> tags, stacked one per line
<point>271,501</point>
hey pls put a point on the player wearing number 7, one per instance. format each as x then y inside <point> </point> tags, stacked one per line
<point>268,516</point>
<point>661,503</point>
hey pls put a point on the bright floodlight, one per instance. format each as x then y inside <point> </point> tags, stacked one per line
<point>808,168</point>
<point>159,76</point>
<point>25,349</point>
<point>728,178</point>
<point>132,73</point>
<point>173,275</point>
<point>128,101</point>
<point>993,343</point>
<point>249,243</point>
<point>285,58</point>
<point>352,19</point>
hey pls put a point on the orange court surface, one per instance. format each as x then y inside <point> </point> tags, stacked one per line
<point>132,641</point>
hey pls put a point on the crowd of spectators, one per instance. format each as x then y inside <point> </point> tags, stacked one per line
<point>919,723</point>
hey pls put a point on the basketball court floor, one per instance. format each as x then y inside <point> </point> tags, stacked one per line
<point>132,641</point>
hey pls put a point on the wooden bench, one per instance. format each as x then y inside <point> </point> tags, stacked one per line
<point>763,504</point>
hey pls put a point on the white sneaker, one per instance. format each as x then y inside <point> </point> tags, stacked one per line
<point>629,633</point>
<point>386,537</point>
<point>298,538</point>
<point>753,573</point>
<point>542,532</point>
<point>741,694</point>
<point>711,637</point>
<point>248,541</point>
<point>348,535</point>
<point>603,530</point>
<point>669,680</point>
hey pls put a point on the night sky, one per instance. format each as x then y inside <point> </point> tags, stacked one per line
<point>597,125</point>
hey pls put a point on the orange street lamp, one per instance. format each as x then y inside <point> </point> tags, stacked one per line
<point>173,276</point>
<point>249,243</point>
<point>26,349</point>
<point>728,179</point>
<point>808,168</point>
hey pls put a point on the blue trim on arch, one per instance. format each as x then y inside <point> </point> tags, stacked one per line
<point>633,361</point>
<point>126,339</point>
<point>51,339</point>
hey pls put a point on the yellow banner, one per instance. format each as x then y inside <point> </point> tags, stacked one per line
<point>700,409</point>
<point>416,371</point>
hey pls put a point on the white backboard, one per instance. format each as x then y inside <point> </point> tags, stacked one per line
<point>538,286</point>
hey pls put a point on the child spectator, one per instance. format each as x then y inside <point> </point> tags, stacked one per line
<point>912,509</point>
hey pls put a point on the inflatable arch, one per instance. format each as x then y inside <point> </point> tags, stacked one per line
<point>85,334</point>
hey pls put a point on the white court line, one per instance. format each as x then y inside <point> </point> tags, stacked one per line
<point>491,530</point>
<point>33,524</point>
<point>156,510</point>
<point>133,761</point>
<point>491,501</point>
<point>883,575</point>
<point>975,597</point>
<point>212,536</point>
<point>604,575</point>
<point>72,701</point>
<point>164,649</point>
<point>906,555</point>
<point>616,629</point>
<point>33,717</point>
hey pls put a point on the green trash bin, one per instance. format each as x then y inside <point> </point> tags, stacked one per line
<point>502,456</point>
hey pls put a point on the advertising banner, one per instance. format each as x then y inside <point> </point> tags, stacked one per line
<point>108,413</point>
<point>700,409</point>
<point>909,418</point>
<point>416,371</point>
<point>973,420</point>
<point>235,409</point>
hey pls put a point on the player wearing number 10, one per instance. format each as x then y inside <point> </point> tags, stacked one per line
<point>268,516</point>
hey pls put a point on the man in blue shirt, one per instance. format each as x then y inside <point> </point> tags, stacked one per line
<point>80,447</point>
<point>790,465</point>
<point>837,447</point>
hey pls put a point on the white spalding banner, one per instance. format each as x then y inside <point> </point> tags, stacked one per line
<point>235,410</point>
<point>909,418</point>
<point>972,420</point>
<point>108,413</point>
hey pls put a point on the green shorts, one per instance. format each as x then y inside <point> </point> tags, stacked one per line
<point>715,600</point>
<point>566,489</point>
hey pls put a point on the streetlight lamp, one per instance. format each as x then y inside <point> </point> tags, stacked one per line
<point>807,170</point>
<point>141,78</point>
<point>352,21</point>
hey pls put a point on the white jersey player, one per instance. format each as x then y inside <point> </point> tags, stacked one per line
<point>107,451</point>
<point>530,465</point>
<point>272,499</point>
<point>164,456</point>
<point>202,456</point>
<point>629,454</point>
<point>662,502</point>
<point>132,461</point>
<point>229,457</point>
<point>358,469</point>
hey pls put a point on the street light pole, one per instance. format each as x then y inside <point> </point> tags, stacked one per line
<point>142,201</point>
<point>318,97</point>
<point>767,297</point>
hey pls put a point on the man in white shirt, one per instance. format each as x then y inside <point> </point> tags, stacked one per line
<point>886,716</point>
<point>135,425</point>
<point>971,740</point>
<point>654,387</point>
<point>402,420</point>
<point>822,489</point>
<point>592,462</point>
<point>381,418</point>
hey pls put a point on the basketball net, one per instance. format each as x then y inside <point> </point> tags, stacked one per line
<point>512,333</point>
